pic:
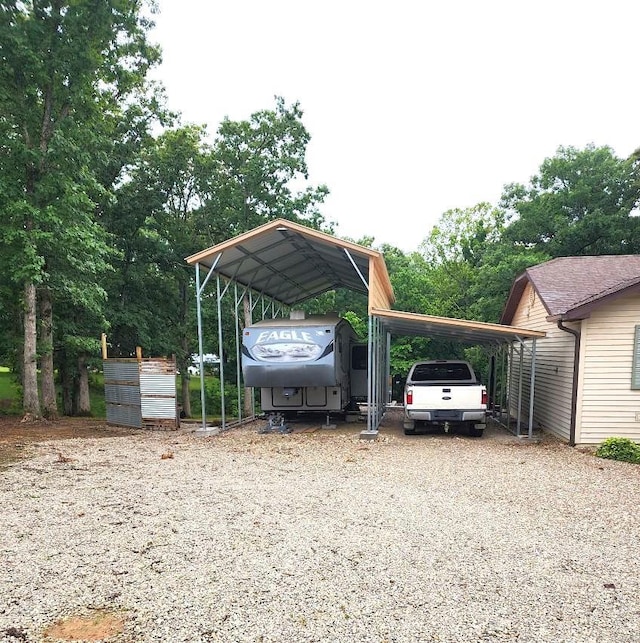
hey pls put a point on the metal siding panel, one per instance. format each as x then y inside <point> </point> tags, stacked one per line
<point>157,384</point>
<point>158,391</point>
<point>121,371</point>
<point>380,293</point>
<point>124,415</point>
<point>157,367</point>
<point>122,394</point>
<point>136,390</point>
<point>158,408</point>
<point>635,370</point>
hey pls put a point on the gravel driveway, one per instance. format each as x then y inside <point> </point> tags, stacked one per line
<point>319,536</point>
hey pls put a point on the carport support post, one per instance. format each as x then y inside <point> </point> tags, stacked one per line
<point>248,304</point>
<point>492,381</point>
<point>370,433</point>
<point>489,375</point>
<point>199,291</point>
<point>237,307</point>
<point>377,372</point>
<point>509,385</point>
<point>387,369</point>
<point>220,349</point>
<point>520,374</point>
<point>200,346</point>
<point>370,370</point>
<point>503,379</point>
<point>532,386</point>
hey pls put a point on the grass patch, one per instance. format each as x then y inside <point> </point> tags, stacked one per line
<point>10,398</point>
<point>9,392</point>
<point>96,395</point>
<point>9,388</point>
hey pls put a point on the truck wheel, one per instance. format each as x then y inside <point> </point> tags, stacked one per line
<point>475,432</point>
<point>409,431</point>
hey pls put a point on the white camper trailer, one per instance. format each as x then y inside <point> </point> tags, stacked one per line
<point>304,363</point>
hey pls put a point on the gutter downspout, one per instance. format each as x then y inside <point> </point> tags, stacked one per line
<point>574,391</point>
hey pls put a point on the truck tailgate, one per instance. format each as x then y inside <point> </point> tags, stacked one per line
<point>446,396</point>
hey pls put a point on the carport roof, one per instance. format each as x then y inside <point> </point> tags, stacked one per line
<point>469,332</point>
<point>291,263</point>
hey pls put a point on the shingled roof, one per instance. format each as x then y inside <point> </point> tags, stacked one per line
<point>571,287</point>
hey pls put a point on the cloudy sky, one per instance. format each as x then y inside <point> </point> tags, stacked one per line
<point>414,107</point>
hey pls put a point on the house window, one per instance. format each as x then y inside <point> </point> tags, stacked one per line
<point>635,369</point>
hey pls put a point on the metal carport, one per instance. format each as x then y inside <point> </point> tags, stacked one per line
<point>508,342</point>
<point>280,264</point>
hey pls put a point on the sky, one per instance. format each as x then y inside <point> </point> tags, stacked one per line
<point>414,107</point>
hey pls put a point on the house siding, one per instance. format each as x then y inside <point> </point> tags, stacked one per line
<point>554,369</point>
<point>608,406</point>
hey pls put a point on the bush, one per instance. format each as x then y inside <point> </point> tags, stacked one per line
<point>622,449</point>
<point>214,401</point>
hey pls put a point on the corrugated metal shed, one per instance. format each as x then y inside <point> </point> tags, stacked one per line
<point>141,393</point>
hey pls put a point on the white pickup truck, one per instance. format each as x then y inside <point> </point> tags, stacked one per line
<point>444,393</point>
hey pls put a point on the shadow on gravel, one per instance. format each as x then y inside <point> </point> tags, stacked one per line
<point>495,432</point>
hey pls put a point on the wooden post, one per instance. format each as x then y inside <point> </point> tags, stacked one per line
<point>104,345</point>
<point>138,353</point>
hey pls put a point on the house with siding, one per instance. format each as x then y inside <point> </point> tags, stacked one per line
<point>587,367</point>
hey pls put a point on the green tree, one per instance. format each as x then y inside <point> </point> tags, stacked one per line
<point>258,164</point>
<point>409,274</point>
<point>454,251</point>
<point>580,203</point>
<point>502,262</point>
<point>139,298</point>
<point>69,69</point>
<point>180,169</point>
<point>259,174</point>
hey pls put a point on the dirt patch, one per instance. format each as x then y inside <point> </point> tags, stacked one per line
<point>96,627</point>
<point>18,439</point>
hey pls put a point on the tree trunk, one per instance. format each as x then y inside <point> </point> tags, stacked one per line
<point>248,392</point>
<point>49,403</point>
<point>83,400</point>
<point>184,345</point>
<point>185,379</point>
<point>66,378</point>
<point>31,399</point>
<point>186,396</point>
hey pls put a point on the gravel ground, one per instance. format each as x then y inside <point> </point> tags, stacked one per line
<point>319,536</point>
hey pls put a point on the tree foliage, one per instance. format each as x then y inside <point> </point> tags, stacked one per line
<point>580,203</point>
<point>69,72</point>
<point>256,164</point>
